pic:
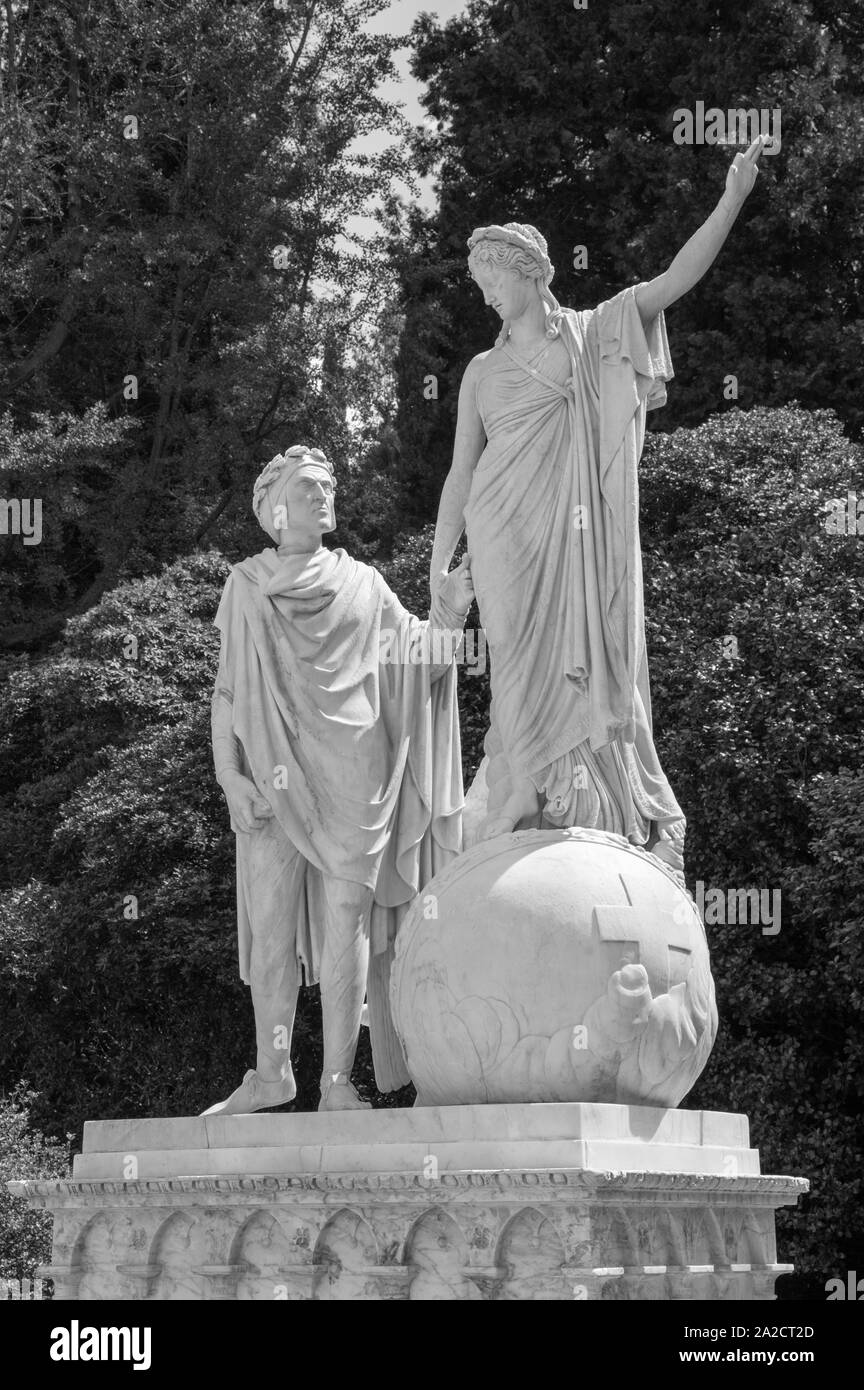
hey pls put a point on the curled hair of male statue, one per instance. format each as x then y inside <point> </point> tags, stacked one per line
<point>272,482</point>
<point>518,246</point>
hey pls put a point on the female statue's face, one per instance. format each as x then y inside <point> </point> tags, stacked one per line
<point>508,292</point>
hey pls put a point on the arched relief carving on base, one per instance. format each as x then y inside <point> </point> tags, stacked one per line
<point>94,1259</point>
<point>178,1249</point>
<point>274,1251</point>
<point>511,1235</point>
<point>531,1256</point>
<point>346,1255</point>
<point>437,1253</point>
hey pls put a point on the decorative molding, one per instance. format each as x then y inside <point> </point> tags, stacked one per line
<point>555,1234</point>
<point>770,1189</point>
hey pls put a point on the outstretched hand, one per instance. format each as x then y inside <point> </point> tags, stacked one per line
<point>701,250</point>
<point>743,171</point>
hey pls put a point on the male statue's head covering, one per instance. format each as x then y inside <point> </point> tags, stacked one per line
<point>272,482</point>
<point>521,247</point>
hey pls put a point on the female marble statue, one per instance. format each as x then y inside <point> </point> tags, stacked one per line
<point>544,479</point>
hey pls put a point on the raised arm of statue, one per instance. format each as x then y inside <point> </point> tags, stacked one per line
<point>700,252</point>
<point>469,445</point>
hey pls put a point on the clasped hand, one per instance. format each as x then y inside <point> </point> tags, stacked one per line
<point>456,587</point>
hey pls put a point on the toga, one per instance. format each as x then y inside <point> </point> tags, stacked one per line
<point>552,525</point>
<point>358,753</point>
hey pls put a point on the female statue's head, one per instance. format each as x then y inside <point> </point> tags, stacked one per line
<point>511,265</point>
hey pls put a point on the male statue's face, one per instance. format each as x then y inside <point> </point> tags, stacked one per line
<point>309,500</point>
<point>508,292</point>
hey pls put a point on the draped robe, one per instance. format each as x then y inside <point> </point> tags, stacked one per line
<point>358,754</point>
<point>552,526</point>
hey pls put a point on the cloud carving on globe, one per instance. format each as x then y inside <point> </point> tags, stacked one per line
<point>630,1048</point>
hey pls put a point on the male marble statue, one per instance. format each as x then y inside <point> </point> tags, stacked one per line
<point>336,743</point>
<point>550,429</point>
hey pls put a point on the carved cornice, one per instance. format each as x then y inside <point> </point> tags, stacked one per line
<point>517,1187</point>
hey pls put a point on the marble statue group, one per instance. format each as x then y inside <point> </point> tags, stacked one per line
<point>340,762</point>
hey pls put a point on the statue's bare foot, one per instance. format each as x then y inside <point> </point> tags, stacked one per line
<point>523,803</point>
<point>340,1095</point>
<point>665,851</point>
<point>254,1094</point>
<point>501,824</point>
<point>668,851</point>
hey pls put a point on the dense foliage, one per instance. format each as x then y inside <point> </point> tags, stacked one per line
<point>564,118</point>
<point>179,272</point>
<point>25,1233</point>
<point>754,611</point>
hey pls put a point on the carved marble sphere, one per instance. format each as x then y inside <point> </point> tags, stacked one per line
<point>554,965</point>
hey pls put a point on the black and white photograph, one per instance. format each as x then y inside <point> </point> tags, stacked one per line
<point>431,667</point>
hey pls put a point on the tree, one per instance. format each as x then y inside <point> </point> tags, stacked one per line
<point>25,1234</point>
<point>753,605</point>
<point>179,180</point>
<point>564,118</point>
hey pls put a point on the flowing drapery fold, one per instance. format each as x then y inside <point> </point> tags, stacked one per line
<point>358,756</point>
<point>553,532</point>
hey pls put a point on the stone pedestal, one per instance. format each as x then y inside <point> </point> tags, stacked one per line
<point>554,1201</point>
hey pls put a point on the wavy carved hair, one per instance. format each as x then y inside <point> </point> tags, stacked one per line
<point>500,253</point>
<point>507,256</point>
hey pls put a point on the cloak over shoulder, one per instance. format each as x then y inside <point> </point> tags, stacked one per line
<point>358,755</point>
<point>553,531</point>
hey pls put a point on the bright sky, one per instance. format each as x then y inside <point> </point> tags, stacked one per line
<point>398,19</point>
